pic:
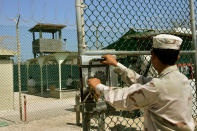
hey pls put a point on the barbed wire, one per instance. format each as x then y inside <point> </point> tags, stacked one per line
<point>1,6</point>
<point>32,19</point>
<point>18,5</point>
<point>44,7</point>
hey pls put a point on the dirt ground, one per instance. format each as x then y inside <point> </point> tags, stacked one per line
<point>48,114</point>
<point>43,114</point>
<point>59,123</point>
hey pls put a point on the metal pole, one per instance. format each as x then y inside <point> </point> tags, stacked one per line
<point>80,33</point>
<point>77,102</point>
<point>103,52</point>
<point>19,68</point>
<point>25,108</point>
<point>81,48</point>
<point>97,43</point>
<point>83,24</point>
<point>41,61</point>
<point>47,77</point>
<point>71,70</point>
<point>27,75</point>
<point>41,80</point>
<point>193,28</point>
<point>60,79</point>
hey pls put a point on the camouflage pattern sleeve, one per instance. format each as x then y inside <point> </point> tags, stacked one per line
<point>130,76</point>
<point>134,97</point>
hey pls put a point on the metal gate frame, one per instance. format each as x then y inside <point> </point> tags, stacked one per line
<point>82,46</point>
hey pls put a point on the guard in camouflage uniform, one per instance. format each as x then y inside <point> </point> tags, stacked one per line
<point>166,100</point>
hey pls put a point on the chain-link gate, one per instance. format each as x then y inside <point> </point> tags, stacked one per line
<point>128,27</point>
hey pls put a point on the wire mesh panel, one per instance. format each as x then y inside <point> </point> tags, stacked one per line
<point>125,25</point>
<point>132,23</point>
<point>41,75</point>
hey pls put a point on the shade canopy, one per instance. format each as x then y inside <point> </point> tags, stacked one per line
<point>51,28</point>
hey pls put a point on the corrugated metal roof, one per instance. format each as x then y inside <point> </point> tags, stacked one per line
<point>67,56</point>
<point>46,27</point>
<point>7,52</point>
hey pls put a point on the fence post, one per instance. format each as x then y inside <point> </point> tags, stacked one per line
<point>193,29</point>
<point>81,48</point>
<point>19,68</point>
<point>80,26</point>
<point>77,102</point>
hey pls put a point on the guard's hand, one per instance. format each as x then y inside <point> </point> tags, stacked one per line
<point>109,60</point>
<point>93,82</point>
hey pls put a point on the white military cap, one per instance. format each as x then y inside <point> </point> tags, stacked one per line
<point>165,41</point>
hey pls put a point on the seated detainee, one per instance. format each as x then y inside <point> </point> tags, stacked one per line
<point>69,83</point>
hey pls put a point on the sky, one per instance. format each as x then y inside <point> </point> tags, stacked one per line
<point>116,17</point>
<point>111,18</point>
<point>33,12</point>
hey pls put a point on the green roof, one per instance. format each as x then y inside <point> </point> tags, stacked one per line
<point>142,41</point>
<point>125,44</point>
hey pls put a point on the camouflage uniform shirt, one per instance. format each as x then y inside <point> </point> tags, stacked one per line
<point>166,100</point>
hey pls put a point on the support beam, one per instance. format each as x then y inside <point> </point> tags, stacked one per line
<point>60,35</point>
<point>53,36</point>
<point>60,76</point>
<point>60,59</point>
<point>34,36</point>
<point>41,63</point>
<point>28,63</point>
<point>40,34</point>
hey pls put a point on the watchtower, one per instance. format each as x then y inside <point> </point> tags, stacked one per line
<point>43,45</point>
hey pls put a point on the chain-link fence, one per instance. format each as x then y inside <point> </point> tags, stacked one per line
<point>125,25</point>
<point>120,25</point>
<point>49,78</point>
